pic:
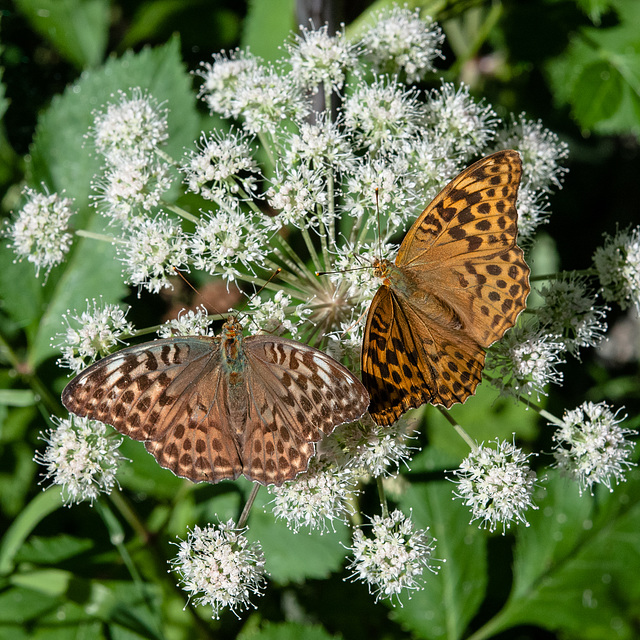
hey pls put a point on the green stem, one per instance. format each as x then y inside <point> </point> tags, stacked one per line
<point>181,212</point>
<point>116,535</point>
<point>267,147</point>
<point>564,274</point>
<point>83,233</point>
<point>461,432</point>
<point>383,497</point>
<point>545,414</point>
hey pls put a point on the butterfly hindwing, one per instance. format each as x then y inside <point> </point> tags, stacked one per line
<point>302,394</point>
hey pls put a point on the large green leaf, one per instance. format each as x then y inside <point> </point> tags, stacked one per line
<point>295,557</point>
<point>78,29</point>
<point>576,566</point>
<point>450,599</point>
<point>267,26</point>
<point>599,73</point>
<point>62,159</point>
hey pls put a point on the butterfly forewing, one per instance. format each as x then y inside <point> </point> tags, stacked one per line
<point>459,282</point>
<point>207,418</point>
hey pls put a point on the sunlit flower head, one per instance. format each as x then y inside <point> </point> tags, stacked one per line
<point>220,568</point>
<point>136,124</point>
<point>497,484</point>
<point>299,196</point>
<point>467,125</point>
<point>39,231</point>
<point>226,240</point>
<point>194,322</point>
<point>570,311</point>
<point>591,446</point>
<point>394,558</point>
<point>540,149</point>
<point>618,266</point>
<point>317,58</point>
<point>133,185</point>
<point>82,457</point>
<point>150,252</point>
<point>315,499</point>
<point>387,185</point>
<point>222,166</point>
<point>322,143</point>
<point>382,114</point>
<point>265,98</point>
<point>525,361</point>
<point>277,315</point>
<point>373,449</point>
<point>401,41</point>
<point>434,164</point>
<point>91,333</point>
<point>223,78</point>
<point>533,210</point>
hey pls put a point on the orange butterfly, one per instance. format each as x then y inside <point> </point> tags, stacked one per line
<point>458,283</point>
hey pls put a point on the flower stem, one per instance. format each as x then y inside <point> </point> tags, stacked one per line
<point>383,497</point>
<point>244,516</point>
<point>461,432</point>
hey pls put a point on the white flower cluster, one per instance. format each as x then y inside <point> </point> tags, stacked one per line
<point>91,333</point>
<point>82,457</point>
<point>497,484</point>
<point>219,567</point>
<point>39,231</point>
<point>394,557</point>
<point>592,448</point>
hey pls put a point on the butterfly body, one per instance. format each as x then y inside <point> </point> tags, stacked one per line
<point>217,408</point>
<point>458,283</point>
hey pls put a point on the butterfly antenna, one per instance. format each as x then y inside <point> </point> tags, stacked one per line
<point>259,291</point>
<point>379,223</point>
<point>326,273</point>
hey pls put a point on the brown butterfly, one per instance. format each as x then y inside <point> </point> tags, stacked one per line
<point>458,283</point>
<point>216,408</point>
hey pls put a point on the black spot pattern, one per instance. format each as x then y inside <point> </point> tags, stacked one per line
<point>458,283</point>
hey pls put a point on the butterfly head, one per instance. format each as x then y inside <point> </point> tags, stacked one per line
<point>382,269</point>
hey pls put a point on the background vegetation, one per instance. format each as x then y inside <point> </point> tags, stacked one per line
<point>575,64</point>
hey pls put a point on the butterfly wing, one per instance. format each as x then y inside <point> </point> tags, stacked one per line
<point>296,394</point>
<point>407,360</point>
<point>458,283</point>
<point>170,394</point>
<point>462,249</point>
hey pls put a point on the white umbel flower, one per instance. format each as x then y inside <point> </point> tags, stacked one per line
<point>591,446</point>
<point>220,568</point>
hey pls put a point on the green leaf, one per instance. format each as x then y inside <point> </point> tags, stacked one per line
<point>597,93</point>
<point>287,631</point>
<point>61,158</point>
<point>267,26</point>
<point>598,75</point>
<point>41,506</point>
<point>295,557</point>
<point>78,29</point>
<point>17,397</point>
<point>450,599</point>
<point>19,605</point>
<point>40,550</point>
<point>576,566</point>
